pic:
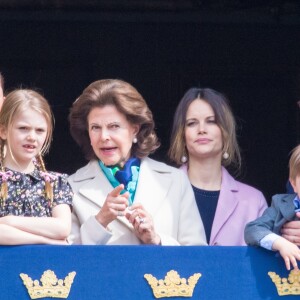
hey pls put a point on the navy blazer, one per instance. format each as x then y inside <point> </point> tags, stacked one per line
<point>281,211</point>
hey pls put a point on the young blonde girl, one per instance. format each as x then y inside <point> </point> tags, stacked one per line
<point>34,203</point>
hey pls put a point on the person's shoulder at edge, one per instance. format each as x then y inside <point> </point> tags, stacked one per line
<point>283,197</point>
<point>58,174</point>
<point>159,166</point>
<point>239,186</point>
<point>233,183</point>
<point>177,174</point>
<point>88,171</point>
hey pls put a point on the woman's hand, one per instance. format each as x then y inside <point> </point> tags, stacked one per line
<point>289,252</point>
<point>143,224</point>
<point>114,206</point>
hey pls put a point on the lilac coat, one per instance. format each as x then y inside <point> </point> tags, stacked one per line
<point>238,204</point>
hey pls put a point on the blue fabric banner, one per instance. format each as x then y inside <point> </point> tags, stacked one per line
<point>117,272</point>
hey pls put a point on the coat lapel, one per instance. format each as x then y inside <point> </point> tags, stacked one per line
<point>227,203</point>
<point>287,207</point>
<point>153,185</point>
<point>96,186</point>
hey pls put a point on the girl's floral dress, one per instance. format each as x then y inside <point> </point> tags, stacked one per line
<point>26,193</point>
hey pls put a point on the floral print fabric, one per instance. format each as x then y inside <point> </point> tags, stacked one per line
<point>26,193</point>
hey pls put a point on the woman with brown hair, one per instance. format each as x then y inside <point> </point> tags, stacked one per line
<point>203,143</point>
<point>122,196</point>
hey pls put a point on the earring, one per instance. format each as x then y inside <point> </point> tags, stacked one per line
<point>225,155</point>
<point>184,159</point>
<point>134,140</point>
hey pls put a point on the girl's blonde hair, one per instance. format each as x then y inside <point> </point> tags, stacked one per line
<point>16,102</point>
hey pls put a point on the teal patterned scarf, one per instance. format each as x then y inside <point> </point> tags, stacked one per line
<point>128,176</point>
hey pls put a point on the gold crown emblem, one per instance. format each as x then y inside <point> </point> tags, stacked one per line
<point>290,286</point>
<point>172,285</point>
<point>51,286</point>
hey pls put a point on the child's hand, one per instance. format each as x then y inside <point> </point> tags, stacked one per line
<point>289,252</point>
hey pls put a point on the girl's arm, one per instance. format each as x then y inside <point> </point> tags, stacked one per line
<point>57,227</point>
<point>13,236</point>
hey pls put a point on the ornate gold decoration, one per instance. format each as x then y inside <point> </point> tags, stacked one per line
<point>172,285</point>
<point>290,286</point>
<point>51,286</point>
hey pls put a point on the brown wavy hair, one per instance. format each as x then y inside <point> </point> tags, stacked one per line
<point>127,100</point>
